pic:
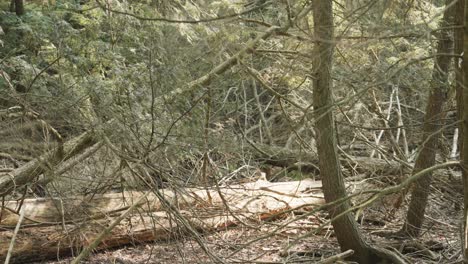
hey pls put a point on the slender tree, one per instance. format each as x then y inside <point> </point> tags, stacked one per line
<point>464,143</point>
<point>458,49</point>
<point>17,6</point>
<point>345,228</point>
<point>433,121</point>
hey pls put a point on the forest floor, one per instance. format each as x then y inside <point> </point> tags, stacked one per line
<point>439,242</point>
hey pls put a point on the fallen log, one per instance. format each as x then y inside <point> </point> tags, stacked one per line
<point>53,211</point>
<point>29,171</point>
<point>248,204</point>
<point>305,161</point>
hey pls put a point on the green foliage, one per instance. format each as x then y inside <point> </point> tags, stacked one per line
<point>79,65</point>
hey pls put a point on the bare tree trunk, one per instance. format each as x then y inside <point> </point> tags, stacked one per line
<point>29,171</point>
<point>345,228</point>
<point>18,7</point>
<point>464,143</point>
<point>458,49</point>
<point>432,123</point>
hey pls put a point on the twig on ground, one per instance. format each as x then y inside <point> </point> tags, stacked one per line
<point>12,242</point>
<point>337,257</point>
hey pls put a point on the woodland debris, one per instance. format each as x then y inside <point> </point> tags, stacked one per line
<point>47,233</point>
<point>307,161</point>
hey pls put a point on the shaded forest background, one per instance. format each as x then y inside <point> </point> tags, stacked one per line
<point>100,97</point>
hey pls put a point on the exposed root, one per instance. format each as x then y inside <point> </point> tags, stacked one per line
<point>385,256</point>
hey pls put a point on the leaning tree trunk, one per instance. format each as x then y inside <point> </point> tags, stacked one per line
<point>28,172</point>
<point>345,228</point>
<point>433,121</point>
<point>464,143</point>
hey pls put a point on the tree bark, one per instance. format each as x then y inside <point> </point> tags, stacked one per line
<point>458,65</point>
<point>29,171</point>
<point>464,149</point>
<point>48,233</point>
<point>433,121</point>
<point>52,211</point>
<point>19,7</point>
<point>345,228</point>
<point>306,161</point>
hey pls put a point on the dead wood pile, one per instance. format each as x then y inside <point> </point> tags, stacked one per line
<point>54,228</point>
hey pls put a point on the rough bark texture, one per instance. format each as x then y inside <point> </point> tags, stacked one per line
<point>17,6</point>
<point>44,236</point>
<point>52,211</point>
<point>433,121</point>
<point>29,171</point>
<point>464,150</point>
<point>458,49</point>
<point>305,162</point>
<point>345,228</point>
